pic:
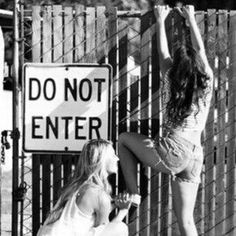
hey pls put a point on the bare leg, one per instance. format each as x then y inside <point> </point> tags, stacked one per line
<point>135,147</point>
<point>184,198</point>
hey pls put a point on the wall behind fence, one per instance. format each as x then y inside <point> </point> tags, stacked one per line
<point>68,34</point>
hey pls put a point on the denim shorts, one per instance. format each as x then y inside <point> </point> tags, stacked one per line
<point>182,158</point>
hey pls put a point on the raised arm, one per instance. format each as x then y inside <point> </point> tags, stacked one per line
<point>196,39</point>
<point>161,12</point>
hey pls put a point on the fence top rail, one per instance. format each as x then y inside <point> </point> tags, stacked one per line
<point>131,13</point>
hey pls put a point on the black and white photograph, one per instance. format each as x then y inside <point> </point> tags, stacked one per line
<point>118,118</point>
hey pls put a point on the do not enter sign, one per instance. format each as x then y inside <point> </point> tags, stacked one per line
<point>65,106</point>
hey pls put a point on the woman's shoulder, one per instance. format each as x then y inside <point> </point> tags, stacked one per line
<point>93,193</point>
<point>88,190</point>
<point>87,198</point>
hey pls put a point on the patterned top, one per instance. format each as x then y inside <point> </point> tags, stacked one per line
<point>197,119</point>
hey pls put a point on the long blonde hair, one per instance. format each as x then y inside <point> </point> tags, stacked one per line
<point>90,170</point>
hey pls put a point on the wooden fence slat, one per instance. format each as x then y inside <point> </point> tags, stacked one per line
<point>209,130</point>
<point>36,36</point>
<point>57,34</point>
<point>47,34</point>
<point>145,62</point>
<point>155,129</point>
<point>79,33</point>
<point>123,92</point>
<point>199,208</point>
<point>101,35</point>
<point>231,172</point>
<point>46,185</point>
<point>67,168</point>
<point>221,108</point>
<point>112,56</point>
<point>144,122</point>
<point>68,35</point>
<point>112,60</point>
<point>155,85</point>
<point>35,194</point>
<point>57,162</point>
<point>90,35</point>
<point>134,127</point>
<point>123,76</point>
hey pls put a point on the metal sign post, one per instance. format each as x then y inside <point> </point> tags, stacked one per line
<point>15,121</point>
<point>1,78</point>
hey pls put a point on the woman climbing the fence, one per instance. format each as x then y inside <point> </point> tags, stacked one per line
<point>186,94</point>
<point>85,204</point>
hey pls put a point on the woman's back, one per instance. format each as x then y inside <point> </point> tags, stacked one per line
<point>194,123</point>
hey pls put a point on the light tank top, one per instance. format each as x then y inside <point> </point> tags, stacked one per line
<point>73,222</point>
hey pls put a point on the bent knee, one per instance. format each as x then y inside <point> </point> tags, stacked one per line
<point>186,222</point>
<point>123,138</point>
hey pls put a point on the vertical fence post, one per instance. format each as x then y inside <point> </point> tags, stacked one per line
<point>2,46</point>
<point>15,121</point>
<point>144,210</point>
<point>122,89</point>
<point>209,137</point>
<point>155,124</point>
<point>112,45</point>
<point>36,57</point>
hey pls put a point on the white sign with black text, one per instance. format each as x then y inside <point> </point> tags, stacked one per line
<point>65,105</point>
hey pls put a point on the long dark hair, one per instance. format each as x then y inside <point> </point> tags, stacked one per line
<point>188,81</point>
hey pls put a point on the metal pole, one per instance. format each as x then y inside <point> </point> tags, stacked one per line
<point>15,122</point>
<point>2,48</point>
<point>22,49</point>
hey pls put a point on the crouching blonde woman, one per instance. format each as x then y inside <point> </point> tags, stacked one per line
<point>85,204</point>
<point>186,88</point>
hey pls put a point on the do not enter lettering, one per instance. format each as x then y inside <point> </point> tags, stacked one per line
<point>73,90</point>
